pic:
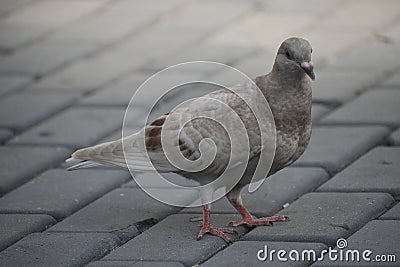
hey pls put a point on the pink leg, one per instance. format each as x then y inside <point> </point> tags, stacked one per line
<point>250,220</point>
<point>208,228</point>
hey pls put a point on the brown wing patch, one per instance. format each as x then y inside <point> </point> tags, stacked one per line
<point>153,138</point>
<point>153,134</point>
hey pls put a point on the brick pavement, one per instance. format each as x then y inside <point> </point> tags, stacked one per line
<point>69,68</point>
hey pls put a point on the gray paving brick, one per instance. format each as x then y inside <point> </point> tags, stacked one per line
<point>395,138</point>
<point>59,192</point>
<point>28,24</point>
<point>119,15</point>
<point>226,54</point>
<point>281,188</point>
<point>19,164</point>
<point>151,180</point>
<point>135,264</point>
<point>42,57</point>
<point>324,217</point>
<point>379,236</point>
<point>287,6</point>
<point>174,239</point>
<point>377,171</point>
<point>392,214</point>
<point>347,15</point>
<point>5,134</point>
<point>88,73</point>
<point>244,253</point>
<point>15,226</point>
<point>8,6</point>
<point>333,148</point>
<point>76,127</point>
<point>377,51</point>
<point>318,111</point>
<point>16,36</point>
<point>9,83</point>
<point>182,30</point>
<point>392,82</point>
<point>33,14</point>
<point>22,110</point>
<point>118,93</point>
<point>124,212</point>
<point>111,264</point>
<point>153,91</point>
<point>338,86</point>
<point>257,64</point>
<point>58,249</point>
<point>374,107</point>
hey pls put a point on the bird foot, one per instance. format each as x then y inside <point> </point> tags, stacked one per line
<point>250,221</point>
<point>217,231</point>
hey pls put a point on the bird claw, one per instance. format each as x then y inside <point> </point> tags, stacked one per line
<point>217,231</point>
<point>260,221</point>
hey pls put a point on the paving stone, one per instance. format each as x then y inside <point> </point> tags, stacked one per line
<point>244,253</point>
<point>58,249</point>
<point>279,189</point>
<point>111,264</point>
<point>395,138</point>
<point>8,6</point>
<point>179,31</point>
<point>377,51</point>
<point>118,93</point>
<point>59,192</point>
<point>22,110</point>
<point>372,108</point>
<point>318,110</point>
<point>334,86</point>
<point>314,6</point>
<point>10,83</point>
<point>345,144</point>
<point>29,23</point>
<point>33,14</point>
<point>76,127</point>
<point>135,264</point>
<point>152,180</point>
<point>174,239</point>
<point>154,90</point>
<point>330,42</point>
<point>257,64</point>
<point>22,163</point>
<point>324,217</point>
<point>15,226</point>
<point>124,212</point>
<point>42,57</point>
<point>392,214</point>
<point>348,14</point>
<point>377,171</point>
<point>393,82</point>
<point>89,73</point>
<point>119,15</point>
<point>16,36</point>
<point>226,54</point>
<point>5,134</point>
<point>379,236</point>
<point>242,32</point>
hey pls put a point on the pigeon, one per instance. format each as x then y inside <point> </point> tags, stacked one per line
<point>287,89</point>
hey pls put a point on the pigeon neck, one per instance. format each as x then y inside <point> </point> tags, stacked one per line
<point>287,76</point>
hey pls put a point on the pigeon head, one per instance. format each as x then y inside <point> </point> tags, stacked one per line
<point>294,56</point>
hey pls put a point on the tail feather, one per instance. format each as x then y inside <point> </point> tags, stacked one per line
<point>83,165</point>
<point>112,153</point>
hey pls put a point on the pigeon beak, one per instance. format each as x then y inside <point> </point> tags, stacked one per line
<point>308,67</point>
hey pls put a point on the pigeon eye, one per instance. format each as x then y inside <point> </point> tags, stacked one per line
<point>311,51</point>
<point>287,54</point>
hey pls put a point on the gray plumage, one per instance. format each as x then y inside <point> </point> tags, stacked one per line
<point>287,89</point>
